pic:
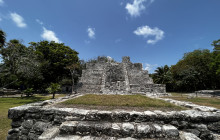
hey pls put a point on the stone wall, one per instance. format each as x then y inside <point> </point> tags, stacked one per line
<point>43,121</point>
<point>117,78</point>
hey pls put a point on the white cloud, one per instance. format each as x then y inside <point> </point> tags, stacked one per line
<point>150,68</point>
<point>91,32</point>
<point>40,22</point>
<point>49,35</point>
<point>1,2</point>
<point>18,20</point>
<point>137,7</point>
<point>146,31</point>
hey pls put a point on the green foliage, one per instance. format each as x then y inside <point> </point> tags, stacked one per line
<point>216,44</point>
<point>2,38</point>
<point>54,58</point>
<point>29,91</point>
<point>197,70</point>
<point>53,88</point>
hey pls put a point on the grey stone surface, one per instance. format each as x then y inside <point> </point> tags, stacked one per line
<point>49,133</point>
<point>34,120</point>
<point>170,131</point>
<point>117,78</point>
<point>188,136</point>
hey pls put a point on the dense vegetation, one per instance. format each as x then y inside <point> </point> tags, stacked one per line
<point>197,70</point>
<point>36,66</point>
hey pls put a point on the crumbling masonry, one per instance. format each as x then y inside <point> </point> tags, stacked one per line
<point>117,78</point>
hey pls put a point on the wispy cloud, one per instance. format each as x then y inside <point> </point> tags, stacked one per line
<point>1,2</point>
<point>137,7</point>
<point>91,32</point>
<point>146,31</point>
<point>118,40</point>
<point>18,20</point>
<point>49,35</point>
<point>150,68</point>
<point>40,22</point>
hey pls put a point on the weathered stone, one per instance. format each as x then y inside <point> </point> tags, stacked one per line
<point>49,133</point>
<point>68,127</point>
<point>23,137</point>
<point>17,112</point>
<point>24,131</point>
<point>28,124</point>
<point>14,136</point>
<point>102,128</point>
<point>158,130</point>
<point>11,131</point>
<point>116,130</point>
<point>84,128</point>
<point>188,136</point>
<point>117,78</point>
<point>206,135</point>
<point>193,131</point>
<point>170,131</point>
<point>214,126</point>
<point>143,130</point>
<point>41,126</point>
<point>127,129</point>
<point>32,136</point>
<point>16,123</point>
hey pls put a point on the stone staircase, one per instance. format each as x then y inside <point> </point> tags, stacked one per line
<point>107,130</point>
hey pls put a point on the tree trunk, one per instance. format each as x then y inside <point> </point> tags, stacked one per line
<point>53,95</point>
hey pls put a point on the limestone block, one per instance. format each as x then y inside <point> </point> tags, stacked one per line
<point>170,131</point>
<point>188,136</point>
<point>68,127</point>
<point>41,126</point>
<point>214,126</point>
<point>143,130</point>
<point>28,124</point>
<point>128,129</point>
<point>49,133</point>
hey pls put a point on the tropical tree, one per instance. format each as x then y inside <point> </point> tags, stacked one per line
<point>216,44</point>
<point>2,38</point>
<point>54,58</point>
<point>162,75</point>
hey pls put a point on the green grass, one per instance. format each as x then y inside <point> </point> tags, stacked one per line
<point>120,100</point>
<point>206,101</point>
<point>7,102</point>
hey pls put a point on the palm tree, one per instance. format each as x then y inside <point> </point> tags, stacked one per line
<point>162,75</point>
<point>2,38</point>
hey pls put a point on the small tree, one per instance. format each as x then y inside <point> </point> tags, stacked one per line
<point>53,88</point>
<point>73,71</point>
<point>28,91</point>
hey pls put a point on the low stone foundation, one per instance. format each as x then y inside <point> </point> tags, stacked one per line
<point>43,121</point>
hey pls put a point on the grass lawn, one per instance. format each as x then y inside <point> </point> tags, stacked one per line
<point>206,101</point>
<point>120,101</point>
<point>7,102</point>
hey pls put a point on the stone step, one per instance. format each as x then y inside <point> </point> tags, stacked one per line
<point>77,137</point>
<point>146,116</point>
<point>119,130</point>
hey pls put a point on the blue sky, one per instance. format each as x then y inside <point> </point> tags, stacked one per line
<point>152,32</point>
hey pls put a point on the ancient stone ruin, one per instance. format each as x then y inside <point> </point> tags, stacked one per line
<point>117,78</point>
<point>44,121</point>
